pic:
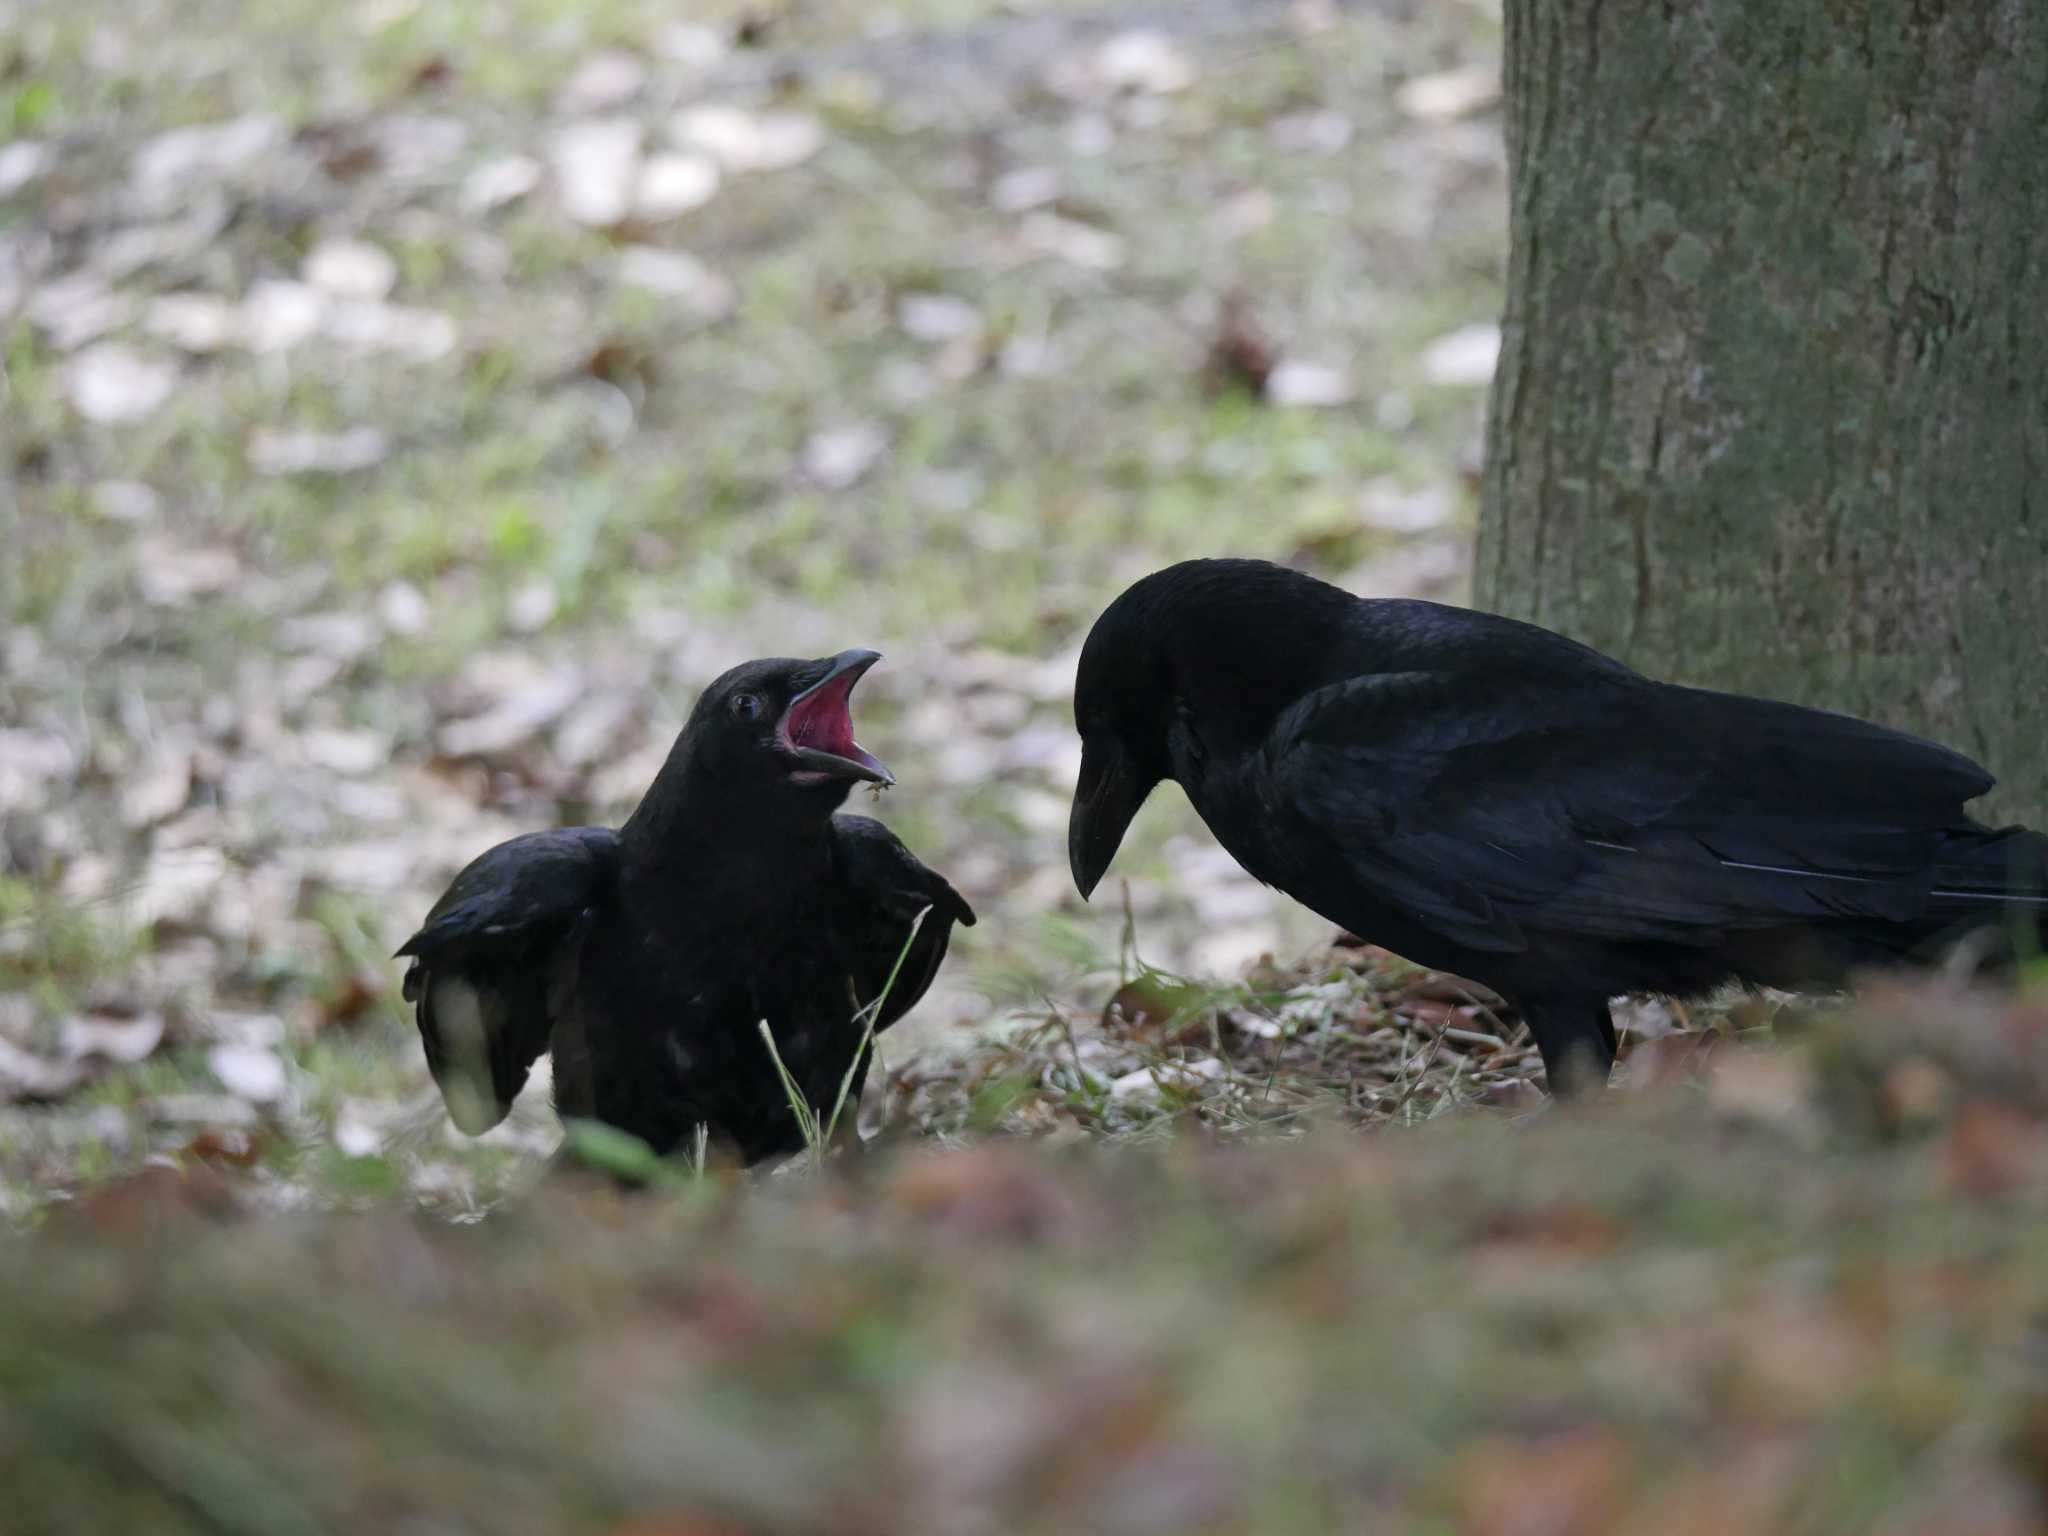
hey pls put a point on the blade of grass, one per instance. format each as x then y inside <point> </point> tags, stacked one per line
<point>806,1119</point>
<point>624,1155</point>
<point>873,1012</point>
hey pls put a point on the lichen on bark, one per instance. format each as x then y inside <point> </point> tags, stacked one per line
<point>1772,406</point>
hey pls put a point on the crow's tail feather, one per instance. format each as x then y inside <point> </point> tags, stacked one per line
<point>1994,885</point>
<point>2005,867</point>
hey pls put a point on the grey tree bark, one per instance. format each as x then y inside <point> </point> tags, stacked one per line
<point>1772,406</point>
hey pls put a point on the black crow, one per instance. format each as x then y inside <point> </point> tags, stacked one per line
<point>1489,798</point>
<point>646,958</point>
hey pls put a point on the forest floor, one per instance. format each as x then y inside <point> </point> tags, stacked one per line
<point>408,404</point>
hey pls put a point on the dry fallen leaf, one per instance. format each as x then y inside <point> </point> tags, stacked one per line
<point>1464,357</point>
<point>1299,382</point>
<point>115,384</point>
<point>515,718</point>
<point>125,501</point>
<point>158,789</point>
<point>24,1075</point>
<point>741,140</point>
<point>350,269</point>
<point>936,317</point>
<point>1151,1082</point>
<point>1080,245</point>
<point>171,575</point>
<point>671,185</point>
<point>301,452</point>
<point>691,44</point>
<point>597,727</point>
<point>1320,133</point>
<point>194,322</point>
<point>32,765</point>
<point>177,887</point>
<point>368,866</point>
<point>419,334</point>
<point>412,147</point>
<point>597,166</point>
<point>21,162</point>
<point>497,182</point>
<point>1143,61</point>
<point>1025,188</point>
<point>346,752</point>
<point>402,609</point>
<point>601,82</point>
<point>341,637</point>
<point>678,275</point>
<point>278,315</point>
<point>1558,1485</point>
<point>355,1130</point>
<point>1993,1150</point>
<point>1140,62</point>
<point>171,163</point>
<point>840,457</point>
<point>1452,94</point>
<point>532,606</point>
<point>75,309</point>
<point>251,1072</point>
<point>1146,1005</point>
<point>234,1147</point>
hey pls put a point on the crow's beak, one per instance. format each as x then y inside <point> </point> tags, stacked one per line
<point>1108,796</point>
<point>817,728</point>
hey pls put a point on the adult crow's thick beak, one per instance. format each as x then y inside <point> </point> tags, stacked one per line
<point>817,728</point>
<point>1108,796</point>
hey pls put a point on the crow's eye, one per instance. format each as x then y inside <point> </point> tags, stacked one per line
<point>746,706</point>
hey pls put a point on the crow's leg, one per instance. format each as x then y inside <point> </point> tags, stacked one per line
<point>1576,1037</point>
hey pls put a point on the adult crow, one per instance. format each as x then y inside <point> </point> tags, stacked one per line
<point>646,958</point>
<point>1489,798</point>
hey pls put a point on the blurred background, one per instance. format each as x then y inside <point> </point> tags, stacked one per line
<point>409,406</point>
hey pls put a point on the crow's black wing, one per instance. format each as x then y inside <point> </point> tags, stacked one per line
<point>1611,808</point>
<point>492,958</point>
<point>889,886</point>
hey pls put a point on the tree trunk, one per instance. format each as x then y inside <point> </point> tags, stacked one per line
<point>1772,406</point>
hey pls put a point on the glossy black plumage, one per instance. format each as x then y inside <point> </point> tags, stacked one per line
<point>645,958</point>
<point>1488,798</point>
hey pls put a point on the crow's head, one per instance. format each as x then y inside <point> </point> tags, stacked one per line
<point>782,724</point>
<point>1189,665</point>
<point>1124,712</point>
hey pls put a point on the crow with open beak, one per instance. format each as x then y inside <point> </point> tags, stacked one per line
<point>646,958</point>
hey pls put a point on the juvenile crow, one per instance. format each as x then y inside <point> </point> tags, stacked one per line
<point>646,958</point>
<point>1488,798</point>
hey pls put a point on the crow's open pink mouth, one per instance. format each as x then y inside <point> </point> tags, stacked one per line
<point>817,728</point>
